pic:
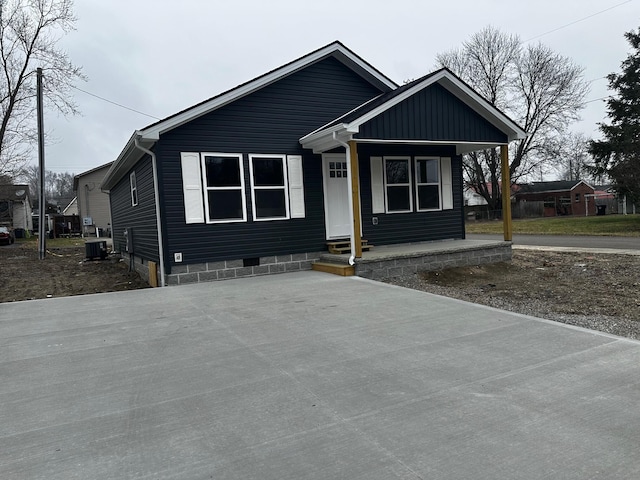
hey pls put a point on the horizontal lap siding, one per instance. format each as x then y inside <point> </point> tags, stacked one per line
<point>142,217</point>
<point>432,114</point>
<point>416,226</point>
<point>271,120</point>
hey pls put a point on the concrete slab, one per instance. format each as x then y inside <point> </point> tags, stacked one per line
<point>308,375</point>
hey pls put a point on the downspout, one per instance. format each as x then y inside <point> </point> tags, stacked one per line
<point>352,227</point>
<point>156,194</point>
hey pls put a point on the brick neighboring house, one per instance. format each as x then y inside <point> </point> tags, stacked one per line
<point>563,197</point>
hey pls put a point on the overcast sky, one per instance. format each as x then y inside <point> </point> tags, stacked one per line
<point>161,56</point>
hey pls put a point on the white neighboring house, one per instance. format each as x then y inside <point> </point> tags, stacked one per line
<point>16,207</point>
<point>473,198</point>
<point>72,208</point>
<point>93,203</point>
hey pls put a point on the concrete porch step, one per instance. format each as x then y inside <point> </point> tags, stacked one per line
<point>342,269</point>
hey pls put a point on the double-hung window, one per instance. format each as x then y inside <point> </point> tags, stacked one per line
<point>134,189</point>
<point>427,183</point>
<point>269,189</point>
<point>224,185</point>
<point>397,180</point>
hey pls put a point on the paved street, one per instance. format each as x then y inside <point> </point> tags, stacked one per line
<point>624,243</point>
<point>308,376</point>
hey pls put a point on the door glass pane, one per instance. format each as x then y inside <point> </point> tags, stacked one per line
<point>268,172</point>
<point>222,171</point>
<point>225,204</point>
<point>270,204</point>
<point>397,171</point>
<point>398,198</point>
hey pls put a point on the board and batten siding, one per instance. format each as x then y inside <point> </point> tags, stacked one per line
<point>268,121</point>
<point>414,226</point>
<point>436,115</point>
<point>142,217</point>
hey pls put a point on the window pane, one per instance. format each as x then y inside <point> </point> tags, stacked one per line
<point>428,197</point>
<point>270,204</point>
<point>427,171</point>
<point>225,204</point>
<point>222,171</point>
<point>268,172</point>
<point>397,171</point>
<point>398,198</point>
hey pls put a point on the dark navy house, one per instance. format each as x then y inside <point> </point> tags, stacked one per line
<point>257,179</point>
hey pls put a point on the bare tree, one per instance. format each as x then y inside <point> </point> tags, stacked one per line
<point>56,185</point>
<point>29,33</point>
<point>569,154</point>
<point>541,90</point>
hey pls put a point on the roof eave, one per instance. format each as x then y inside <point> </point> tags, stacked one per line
<point>127,159</point>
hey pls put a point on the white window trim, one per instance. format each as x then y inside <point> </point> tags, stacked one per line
<point>134,189</point>
<point>386,184</point>
<point>284,187</point>
<point>418,184</point>
<point>206,188</point>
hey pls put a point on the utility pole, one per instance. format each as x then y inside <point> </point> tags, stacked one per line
<point>43,208</point>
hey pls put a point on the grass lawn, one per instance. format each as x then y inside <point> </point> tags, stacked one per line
<point>616,225</point>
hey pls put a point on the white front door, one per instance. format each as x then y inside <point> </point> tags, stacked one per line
<point>336,195</point>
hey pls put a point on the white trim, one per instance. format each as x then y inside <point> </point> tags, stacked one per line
<point>206,188</point>
<point>133,186</point>
<point>386,183</point>
<point>284,187</point>
<point>418,183</point>
<point>458,89</point>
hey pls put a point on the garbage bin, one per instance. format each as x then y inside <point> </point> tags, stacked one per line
<point>96,249</point>
<point>19,233</point>
<point>602,209</point>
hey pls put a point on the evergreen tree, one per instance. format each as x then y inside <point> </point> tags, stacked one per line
<point>617,155</point>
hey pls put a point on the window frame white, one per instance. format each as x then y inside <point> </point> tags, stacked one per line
<point>419,184</point>
<point>408,185</point>
<point>133,186</point>
<point>284,187</point>
<point>206,188</point>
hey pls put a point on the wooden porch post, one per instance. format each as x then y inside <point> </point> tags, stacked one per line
<point>355,194</point>
<point>506,193</point>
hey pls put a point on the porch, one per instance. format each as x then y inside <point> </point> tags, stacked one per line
<point>409,258</point>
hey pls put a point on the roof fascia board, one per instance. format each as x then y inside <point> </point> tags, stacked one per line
<point>125,161</point>
<point>335,49</point>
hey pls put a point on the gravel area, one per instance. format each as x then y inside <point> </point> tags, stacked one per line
<point>594,291</point>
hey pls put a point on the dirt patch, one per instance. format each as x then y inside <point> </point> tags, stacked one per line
<point>600,292</point>
<point>64,272</point>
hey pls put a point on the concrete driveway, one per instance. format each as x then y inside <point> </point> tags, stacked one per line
<point>308,376</point>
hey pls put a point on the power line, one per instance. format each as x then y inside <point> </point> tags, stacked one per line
<point>577,21</point>
<point>115,103</point>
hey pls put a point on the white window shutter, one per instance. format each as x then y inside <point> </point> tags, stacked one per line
<point>447,183</point>
<point>296,186</point>
<point>192,187</point>
<point>377,185</point>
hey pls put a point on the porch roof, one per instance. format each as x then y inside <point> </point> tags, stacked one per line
<point>348,126</point>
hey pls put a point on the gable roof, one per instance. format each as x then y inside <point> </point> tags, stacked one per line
<point>343,128</point>
<point>151,133</point>
<point>76,178</point>
<point>553,186</point>
<point>14,192</point>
